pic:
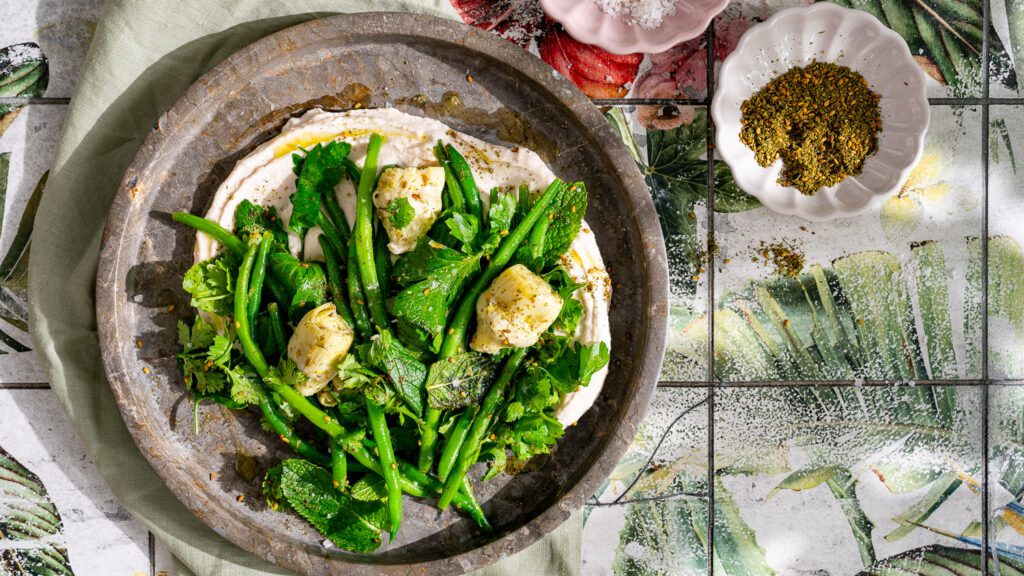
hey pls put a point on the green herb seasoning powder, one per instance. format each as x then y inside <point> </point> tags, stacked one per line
<point>822,120</point>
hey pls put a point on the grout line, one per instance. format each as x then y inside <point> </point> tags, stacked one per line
<point>834,383</point>
<point>152,554</point>
<point>710,69</point>
<point>25,386</point>
<point>34,101</point>
<point>986,18</point>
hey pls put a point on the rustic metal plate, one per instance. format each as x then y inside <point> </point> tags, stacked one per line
<point>420,65</point>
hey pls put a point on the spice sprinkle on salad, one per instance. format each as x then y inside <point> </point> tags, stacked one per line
<point>398,301</point>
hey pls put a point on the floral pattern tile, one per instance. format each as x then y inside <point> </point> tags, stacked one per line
<point>833,480</point>
<point>1006,469</point>
<point>651,515</point>
<point>893,294</point>
<point>55,509</point>
<point>1006,236</point>
<point>59,29</point>
<point>28,143</point>
<point>670,148</point>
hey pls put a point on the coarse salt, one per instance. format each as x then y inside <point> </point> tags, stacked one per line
<point>647,14</point>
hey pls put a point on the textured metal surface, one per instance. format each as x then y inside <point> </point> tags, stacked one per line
<point>409,62</point>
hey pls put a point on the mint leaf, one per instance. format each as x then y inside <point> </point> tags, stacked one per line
<point>317,174</point>
<point>444,272</point>
<point>253,219</point>
<point>407,373</point>
<point>351,524</point>
<point>211,284</point>
<point>400,213</point>
<point>460,380</point>
<point>371,488</point>
<point>305,281</point>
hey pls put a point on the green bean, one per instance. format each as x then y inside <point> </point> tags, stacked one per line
<point>382,259</point>
<point>233,243</point>
<point>287,435</point>
<point>471,446</point>
<point>381,435</point>
<point>352,170</point>
<point>456,334</point>
<point>363,236</point>
<point>360,314</point>
<point>277,328</point>
<point>339,465</point>
<point>259,273</point>
<point>303,406</point>
<point>428,438</point>
<point>328,229</point>
<point>454,442</point>
<point>337,215</point>
<point>249,348</point>
<point>466,182</point>
<point>421,485</point>
<point>451,182</point>
<point>212,229</point>
<point>334,284</point>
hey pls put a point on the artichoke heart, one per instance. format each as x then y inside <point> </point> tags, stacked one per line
<point>408,201</point>
<point>514,311</point>
<point>319,343</point>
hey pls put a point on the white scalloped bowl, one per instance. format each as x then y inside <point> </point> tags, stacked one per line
<point>585,21</point>
<point>826,33</point>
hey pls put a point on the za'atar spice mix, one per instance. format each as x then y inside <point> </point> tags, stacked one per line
<point>822,120</point>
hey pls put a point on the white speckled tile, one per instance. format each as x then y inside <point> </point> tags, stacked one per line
<point>99,535</point>
<point>61,28</point>
<point>27,148</point>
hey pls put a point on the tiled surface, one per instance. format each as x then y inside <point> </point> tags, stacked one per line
<point>897,294</point>
<point>830,479</point>
<point>61,28</point>
<point>651,516</point>
<point>96,532</point>
<point>904,307</point>
<point>1006,265</point>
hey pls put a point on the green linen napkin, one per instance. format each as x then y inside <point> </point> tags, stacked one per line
<point>144,55</point>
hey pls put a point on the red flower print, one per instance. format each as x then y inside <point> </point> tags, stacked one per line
<point>597,73</point>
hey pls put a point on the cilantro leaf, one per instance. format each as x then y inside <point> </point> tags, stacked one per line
<point>460,380</point>
<point>245,384</point>
<point>499,219</point>
<point>351,524</point>
<point>354,375</point>
<point>407,373</point>
<point>219,353</point>
<point>400,213</point>
<point>317,174</point>
<point>286,374</point>
<point>572,309</point>
<point>444,272</point>
<point>211,284</point>
<point>570,364</point>
<point>464,228</point>
<point>201,375</point>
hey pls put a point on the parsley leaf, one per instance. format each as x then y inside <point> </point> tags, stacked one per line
<point>407,373</point>
<point>444,272</point>
<point>351,524</point>
<point>211,284</point>
<point>400,213</point>
<point>317,174</point>
<point>460,380</point>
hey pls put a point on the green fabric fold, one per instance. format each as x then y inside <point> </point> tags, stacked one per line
<point>145,53</point>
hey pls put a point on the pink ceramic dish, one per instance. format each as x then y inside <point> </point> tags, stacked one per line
<point>586,22</point>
